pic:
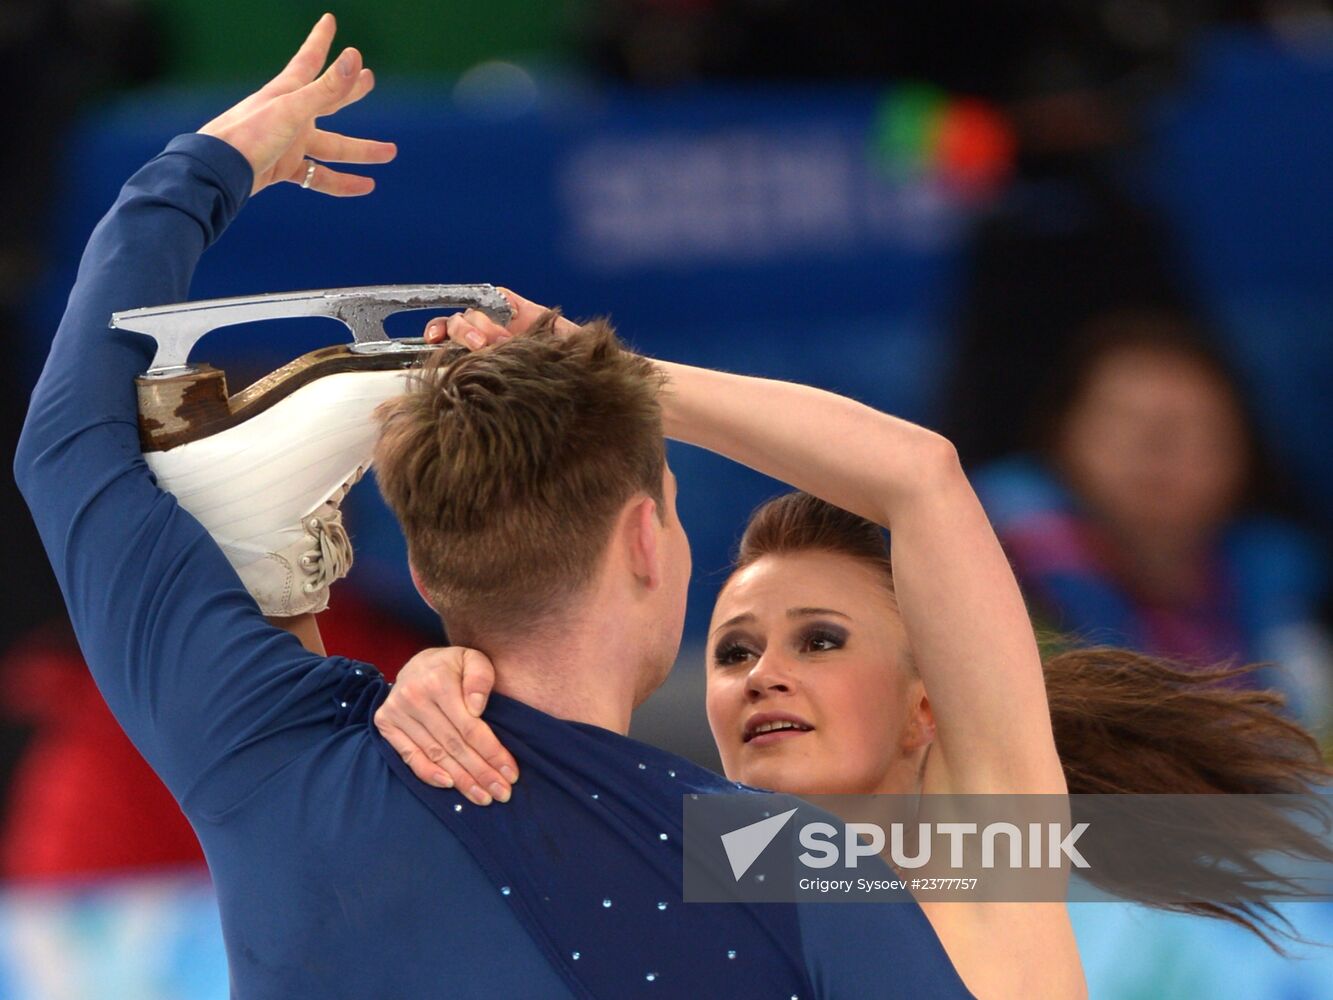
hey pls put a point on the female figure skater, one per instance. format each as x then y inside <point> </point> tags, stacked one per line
<point>837,666</point>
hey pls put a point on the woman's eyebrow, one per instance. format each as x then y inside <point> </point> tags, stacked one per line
<point>741,619</point>
<point>747,617</point>
<point>812,612</point>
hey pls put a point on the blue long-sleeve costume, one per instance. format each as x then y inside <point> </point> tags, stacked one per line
<point>338,874</point>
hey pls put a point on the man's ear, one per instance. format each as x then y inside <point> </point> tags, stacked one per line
<point>641,532</point>
<point>416,582</point>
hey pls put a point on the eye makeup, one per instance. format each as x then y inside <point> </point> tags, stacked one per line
<point>734,648</point>
<point>821,637</point>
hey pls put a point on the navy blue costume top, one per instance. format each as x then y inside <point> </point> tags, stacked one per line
<point>337,873</point>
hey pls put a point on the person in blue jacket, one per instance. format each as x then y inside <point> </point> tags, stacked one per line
<point>337,874</point>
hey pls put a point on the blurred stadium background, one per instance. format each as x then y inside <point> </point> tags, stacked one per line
<point>921,205</point>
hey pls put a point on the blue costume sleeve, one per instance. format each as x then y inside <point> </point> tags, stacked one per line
<point>214,697</point>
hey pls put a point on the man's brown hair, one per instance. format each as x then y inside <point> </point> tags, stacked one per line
<point>507,467</point>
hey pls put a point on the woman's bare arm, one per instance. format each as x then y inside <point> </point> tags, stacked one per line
<point>965,618</point>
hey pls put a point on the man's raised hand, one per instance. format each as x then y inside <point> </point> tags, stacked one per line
<point>275,130</point>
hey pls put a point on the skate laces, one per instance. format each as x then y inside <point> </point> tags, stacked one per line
<point>331,557</point>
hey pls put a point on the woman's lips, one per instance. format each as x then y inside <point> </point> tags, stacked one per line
<point>775,737</point>
<point>775,726</point>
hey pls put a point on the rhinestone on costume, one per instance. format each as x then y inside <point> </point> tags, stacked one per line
<point>759,877</point>
<point>661,906</point>
<point>574,956</point>
<point>652,976</point>
<point>342,704</point>
<point>595,795</point>
<point>458,807</point>
<point>661,836</point>
<point>643,767</point>
<point>731,953</point>
<point>606,903</point>
<point>505,890</point>
<point>671,774</point>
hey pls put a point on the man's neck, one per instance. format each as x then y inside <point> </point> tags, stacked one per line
<point>577,672</point>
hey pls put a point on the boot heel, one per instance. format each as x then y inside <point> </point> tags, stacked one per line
<point>182,408</point>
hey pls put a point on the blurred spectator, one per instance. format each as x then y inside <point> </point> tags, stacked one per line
<point>1066,243</point>
<point>1140,519</point>
<point>82,800</point>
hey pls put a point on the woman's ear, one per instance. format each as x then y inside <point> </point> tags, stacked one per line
<point>920,729</point>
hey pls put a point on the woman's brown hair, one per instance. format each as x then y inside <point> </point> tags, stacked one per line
<point>1135,724</point>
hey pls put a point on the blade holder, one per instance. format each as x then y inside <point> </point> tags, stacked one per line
<point>177,328</point>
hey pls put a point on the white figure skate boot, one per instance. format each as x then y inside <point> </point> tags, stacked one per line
<point>264,471</point>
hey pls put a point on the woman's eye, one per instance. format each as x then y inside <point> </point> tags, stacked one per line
<point>732,654</point>
<point>822,641</point>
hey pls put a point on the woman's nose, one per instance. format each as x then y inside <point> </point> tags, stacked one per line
<point>770,675</point>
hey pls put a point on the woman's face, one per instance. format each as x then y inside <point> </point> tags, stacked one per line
<point>812,641</point>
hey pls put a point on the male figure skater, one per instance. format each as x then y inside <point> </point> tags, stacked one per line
<point>338,874</point>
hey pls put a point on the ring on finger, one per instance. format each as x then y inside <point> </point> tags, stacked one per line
<point>310,166</point>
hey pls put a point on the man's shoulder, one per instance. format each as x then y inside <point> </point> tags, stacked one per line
<point>584,748</point>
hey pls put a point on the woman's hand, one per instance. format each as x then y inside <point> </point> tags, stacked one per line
<point>274,129</point>
<point>474,329</point>
<point>432,717</point>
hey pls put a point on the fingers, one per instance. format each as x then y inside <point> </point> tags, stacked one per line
<point>332,182</point>
<point>334,148</point>
<point>459,769</point>
<point>310,57</point>
<point>527,313</point>
<point>424,755</point>
<point>438,754</point>
<point>428,721</point>
<point>274,128</point>
<point>473,329</point>
<point>478,679</point>
<point>436,330</point>
<point>365,83</point>
<point>412,754</point>
<point>479,765</point>
<point>330,91</point>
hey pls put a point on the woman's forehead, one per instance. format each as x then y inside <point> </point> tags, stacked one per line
<point>809,579</point>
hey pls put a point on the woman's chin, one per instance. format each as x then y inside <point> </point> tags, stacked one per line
<point>793,776</point>
<point>789,777</point>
